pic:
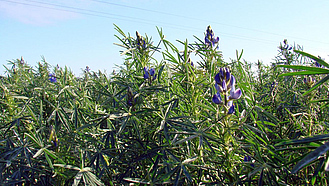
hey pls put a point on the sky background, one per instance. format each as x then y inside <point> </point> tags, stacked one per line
<point>80,33</point>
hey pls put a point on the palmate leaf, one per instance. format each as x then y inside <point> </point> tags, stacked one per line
<point>310,157</point>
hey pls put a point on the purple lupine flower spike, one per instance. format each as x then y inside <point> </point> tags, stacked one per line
<point>225,85</point>
<point>210,39</point>
<point>149,73</point>
<point>52,78</point>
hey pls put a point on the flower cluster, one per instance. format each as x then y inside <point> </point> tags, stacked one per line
<point>210,39</point>
<point>225,85</point>
<point>140,42</point>
<point>53,138</point>
<point>286,46</point>
<point>309,81</point>
<point>149,73</point>
<point>52,78</point>
<point>247,159</point>
<point>287,51</point>
<point>318,65</point>
<point>22,60</point>
<point>87,69</point>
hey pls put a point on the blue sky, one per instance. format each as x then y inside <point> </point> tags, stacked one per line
<point>78,33</point>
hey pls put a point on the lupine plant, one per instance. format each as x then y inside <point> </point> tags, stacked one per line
<point>167,120</point>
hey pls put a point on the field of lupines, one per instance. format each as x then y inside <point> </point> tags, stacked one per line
<point>167,120</point>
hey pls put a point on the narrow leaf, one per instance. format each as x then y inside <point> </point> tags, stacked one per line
<point>310,157</point>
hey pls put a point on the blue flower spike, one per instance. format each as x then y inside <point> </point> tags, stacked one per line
<point>87,69</point>
<point>141,44</point>
<point>210,38</point>
<point>149,74</point>
<point>225,86</point>
<point>309,81</point>
<point>52,78</point>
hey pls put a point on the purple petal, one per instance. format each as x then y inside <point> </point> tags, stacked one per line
<point>228,76</point>
<point>224,87</point>
<point>146,69</point>
<point>206,40</point>
<point>216,40</point>
<point>235,94</point>
<point>217,99</point>
<point>247,158</point>
<point>231,110</point>
<point>152,71</point>
<point>146,75</point>
<point>221,72</point>
<point>232,83</point>
<point>146,72</point>
<point>217,79</point>
<point>218,88</point>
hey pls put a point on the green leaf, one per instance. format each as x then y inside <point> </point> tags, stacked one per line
<point>187,174</point>
<point>320,61</point>
<point>38,153</point>
<point>302,73</point>
<point>34,139</point>
<point>160,73</point>
<point>318,168</point>
<point>310,157</point>
<point>186,139</point>
<point>53,155</point>
<point>304,140</point>
<point>307,68</point>
<point>91,179</point>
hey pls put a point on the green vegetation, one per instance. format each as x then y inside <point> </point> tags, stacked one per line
<point>187,118</point>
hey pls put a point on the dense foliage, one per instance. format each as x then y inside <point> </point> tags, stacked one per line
<point>169,116</point>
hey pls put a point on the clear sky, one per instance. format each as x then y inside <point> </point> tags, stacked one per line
<point>78,33</point>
